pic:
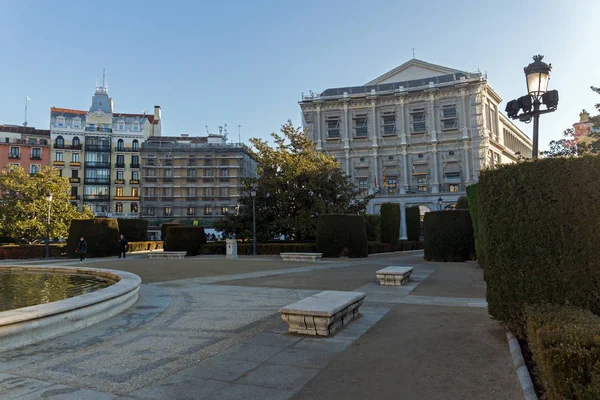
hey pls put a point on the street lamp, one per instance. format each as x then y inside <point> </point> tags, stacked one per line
<point>440,203</point>
<point>253,194</point>
<point>49,200</point>
<point>537,75</point>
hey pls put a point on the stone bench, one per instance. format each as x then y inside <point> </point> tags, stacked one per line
<point>322,314</point>
<point>394,276</point>
<point>301,256</point>
<point>175,255</point>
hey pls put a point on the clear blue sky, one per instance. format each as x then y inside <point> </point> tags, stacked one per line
<point>247,62</point>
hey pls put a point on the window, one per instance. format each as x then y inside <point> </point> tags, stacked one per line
<point>448,118</point>
<point>191,211</point>
<point>169,161</point>
<point>135,175</point>
<point>496,158</point>
<point>360,126</point>
<point>135,126</point>
<point>224,210</point>
<point>392,184</point>
<point>332,125</point>
<point>362,159</point>
<point>224,192</point>
<point>120,175</point>
<point>135,192</point>
<point>450,153</point>
<point>454,188</point>
<point>208,162</point>
<point>388,121</point>
<point>167,211</point>
<point>119,192</point>
<point>208,172</point>
<point>91,127</point>
<point>150,161</point>
<point>120,161</point>
<point>363,186</point>
<point>119,207</point>
<point>191,162</point>
<point>452,176</point>
<point>120,145</point>
<point>191,173</point>
<point>168,173</point>
<point>76,122</point>
<point>417,120</point>
<point>135,146</point>
<point>167,192</point>
<point>208,210</point>
<point>208,192</point>
<point>106,128</point>
<point>421,155</point>
<point>422,183</point>
<point>59,156</point>
<point>60,142</point>
<point>490,157</point>
<point>148,210</point>
<point>74,173</point>
<point>224,162</point>
<point>134,207</point>
<point>121,125</point>
<point>73,191</point>
<point>191,191</point>
<point>390,158</point>
<point>60,121</point>
<point>150,172</point>
<point>74,157</point>
<point>31,141</point>
<point>34,168</point>
<point>60,172</point>
<point>224,172</point>
<point>135,161</point>
<point>36,153</point>
<point>76,142</point>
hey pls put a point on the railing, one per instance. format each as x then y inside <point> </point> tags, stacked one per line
<point>136,165</point>
<point>149,198</point>
<point>14,156</point>
<point>98,129</point>
<point>192,198</point>
<point>74,180</point>
<point>97,181</point>
<point>167,179</point>
<point>119,165</point>
<point>96,197</point>
<point>67,146</point>
<point>96,147</point>
<point>75,164</point>
<point>74,197</point>
<point>126,149</point>
<point>134,181</point>
<point>97,164</point>
<point>119,181</point>
<point>191,179</point>
<point>150,179</point>
<point>36,157</point>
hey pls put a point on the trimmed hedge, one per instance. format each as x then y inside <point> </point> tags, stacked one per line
<point>101,235</point>
<point>462,203</point>
<point>342,236</point>
<point>245,249</point>
<point>185,238</point>
<point>389,221</point>
<point>403,245</point>
<point>413,223</point>
<point>539,224</point>
<point>134,229</point>
<point>164,227</point>
<point>449,236</point>
<point>145,246</point>
<point>565,345</point>
<point>372,223</point>
<point>473,209</point>
<point>11,252</point>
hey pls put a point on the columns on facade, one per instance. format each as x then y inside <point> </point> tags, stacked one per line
<point>374,146</point>
<point>435,188</point>
<point>319,133</point>
<point>404,187</point>
<point>466,163</point>
<point>403,232</point>
<point>400,121</point>
<point>348,125</point>
<point>432,123</point>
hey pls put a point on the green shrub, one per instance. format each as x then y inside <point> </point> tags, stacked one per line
<point>449,236</point>
<point>134,229</point>
<point>163,229</point>
<point>372,222</point>
<point>261,249</point>
<point>473,209</point>
<point>389,223</point>
<point>539,224</point>
<point>342,236</point>
<point>101,235</point>
<point>13,252</point>
<point>413,223</point>
<point>565,345</point>
<point>145,246</point>
<point>185,238</point>
<point>462,203</point>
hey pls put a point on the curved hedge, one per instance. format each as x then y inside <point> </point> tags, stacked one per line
<point>134,229</point>
<point>413,223</point>
<point>473,209</point>
<point>372,223</point>
<point>185,238</point>
<point>449,236</point>
<point>389,222</point>
<point>101,235</point>
<point>539,224</point>
<point>342,236</point>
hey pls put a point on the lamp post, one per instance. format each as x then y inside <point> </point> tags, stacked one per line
<point>440,203</point>
<point>537,75</point>
<point>253,194</point>
<point>49,200</point>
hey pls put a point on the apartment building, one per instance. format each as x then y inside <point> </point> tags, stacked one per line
<point>99,151</point>
<point>416,135</point>
<point>192,180</point>
<point>24,146</point>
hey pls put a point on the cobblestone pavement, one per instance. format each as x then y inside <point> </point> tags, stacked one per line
<point>216,334</point>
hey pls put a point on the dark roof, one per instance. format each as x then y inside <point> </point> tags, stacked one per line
<point>395,85</point>
<point>24,129</point>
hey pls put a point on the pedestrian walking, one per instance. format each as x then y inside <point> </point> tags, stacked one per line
<point>82,249</point>
<point>123,243</point>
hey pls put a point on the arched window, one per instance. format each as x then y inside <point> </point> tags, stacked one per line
<point>76,142</point>
<point>135,145</point>
<point>134,207</point>
<point>60,142</point>
<point>120,145</point>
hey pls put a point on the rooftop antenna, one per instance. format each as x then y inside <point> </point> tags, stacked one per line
<point>225,131</point>
<point>413,53</point>
<point>220,129</point>
<point>27,99</point>
<point>104,78</point>
<point>239,134</point>
<point>207,132</point>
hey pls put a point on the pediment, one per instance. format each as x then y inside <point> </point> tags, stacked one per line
<point>410,70</point>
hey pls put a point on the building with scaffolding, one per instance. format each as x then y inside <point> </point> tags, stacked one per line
<point>192,180</point>
<point>99,151</point>
<point>417,134</point>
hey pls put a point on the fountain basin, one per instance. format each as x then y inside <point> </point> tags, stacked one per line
<point>27,325</point>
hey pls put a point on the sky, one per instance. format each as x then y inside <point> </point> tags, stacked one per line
<point>209,63</point>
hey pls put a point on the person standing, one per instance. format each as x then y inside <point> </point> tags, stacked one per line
<point>82,249</point>
<point>122,246</point>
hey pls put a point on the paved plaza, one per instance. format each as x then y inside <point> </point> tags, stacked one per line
<point>209,328</point>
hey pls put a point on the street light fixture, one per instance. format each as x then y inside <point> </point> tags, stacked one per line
<point>253,194</point>
<point>537,75</point>
<point>440,203</point>
<point>49,200</point>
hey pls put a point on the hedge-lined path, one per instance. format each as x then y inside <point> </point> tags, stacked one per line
<point>209,328</point>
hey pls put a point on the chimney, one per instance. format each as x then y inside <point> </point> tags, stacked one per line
<point>157,113</point>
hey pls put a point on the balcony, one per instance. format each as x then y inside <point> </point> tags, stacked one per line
<point>36,157</point>
<point>96,197</point>
<point>150,198</point>
<point>58,163</point>
<point>75,164</point>
<point>191,198</point>
<point>74,197</point>
<point>134,165</point>
<point>167,179</point>
<point>191,179</point>
<point>119,181</point>
<point>98,129</point>
<point>97,181</point>
<point>96,147</point>
<point>97,164</point>
<point>150,179</point>
<point>74,180</point>
<point>67,146</point>
<point>134,181</point>
<point>14,156</point>
<point>127,149</point>
<point>127,198</point>
<point>119,165</point>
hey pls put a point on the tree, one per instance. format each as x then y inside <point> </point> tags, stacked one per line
<point>574,144</point>
<point>24,208</point>
<point>296,184</point>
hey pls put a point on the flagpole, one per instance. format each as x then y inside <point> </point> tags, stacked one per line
<point>26,100</point>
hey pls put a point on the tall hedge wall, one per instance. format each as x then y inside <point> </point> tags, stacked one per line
<point>164,227</point>
<point>539,224</point>
<point>449,236</point>
<point>342,236</point>
<point>185,238</point>
<point>134,229</point>
<point>389,223</point>
<point>413,223</point>
<point>473,209</point>
<point>101,235</point>
<point>372,223</point>
<point>462,203</point>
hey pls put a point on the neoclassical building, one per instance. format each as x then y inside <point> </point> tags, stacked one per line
<point>417,134</point>
<point>99,151</point>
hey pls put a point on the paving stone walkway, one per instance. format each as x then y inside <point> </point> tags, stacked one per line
<point>216,334</point>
